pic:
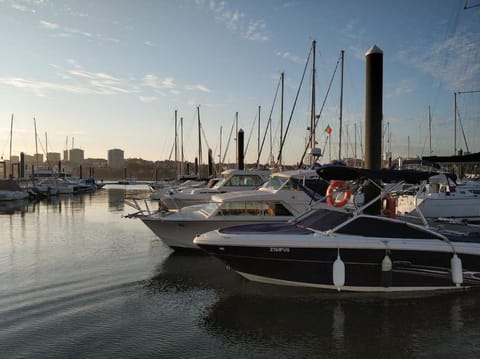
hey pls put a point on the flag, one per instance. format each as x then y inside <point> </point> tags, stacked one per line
<point>328,129</point>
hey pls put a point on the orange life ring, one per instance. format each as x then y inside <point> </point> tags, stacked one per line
<point>336,186</point>
<point>389,206</point>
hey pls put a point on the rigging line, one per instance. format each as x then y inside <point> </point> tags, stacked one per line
<point>321,109</point>
<point>204,136</point>
<point>466,7</point>
<point>268,123</point>
<point>463,131</point>
<point>228,142</point>
<point>250,136</point>
<point>294,106</point>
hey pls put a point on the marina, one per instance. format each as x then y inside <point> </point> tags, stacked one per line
<point>80,280</point>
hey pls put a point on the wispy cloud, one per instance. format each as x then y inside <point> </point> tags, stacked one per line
<point>291,57</point>
<point>453,62</point>
<point>75,81</point>
<point>21,7</point>
<point>49,25</point>
<point>402,88</point>
<point>201,88</point>
<point>236,20</point>
<point>149,43</point>
<point>153,81</point>
<point>63,31</point>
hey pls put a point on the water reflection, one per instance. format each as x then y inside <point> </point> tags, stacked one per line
<point>190,272</point>
<point>10,207</point>
<point>360,325</point>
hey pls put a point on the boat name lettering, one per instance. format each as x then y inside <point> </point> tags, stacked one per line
<point>279,250</point>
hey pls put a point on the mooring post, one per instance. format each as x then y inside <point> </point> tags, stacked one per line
<point>373,121</point>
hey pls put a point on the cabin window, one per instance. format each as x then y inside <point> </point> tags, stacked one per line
<point>247,180</point>
<point>253,208</point>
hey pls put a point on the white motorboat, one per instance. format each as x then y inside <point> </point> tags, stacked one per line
<point>337,249</point>
<point>183,186</point>
<point>232,180</point>
<point>278,200</point>
<point>441,197</point>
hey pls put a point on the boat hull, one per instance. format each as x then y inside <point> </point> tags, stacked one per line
<point>412,270</point>
<point>179,234</point>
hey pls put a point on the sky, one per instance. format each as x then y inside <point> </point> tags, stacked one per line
<point>106,74</point>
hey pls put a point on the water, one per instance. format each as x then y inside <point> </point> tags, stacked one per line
<point>78,280</point>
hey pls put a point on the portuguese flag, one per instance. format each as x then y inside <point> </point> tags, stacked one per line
<point>328,129</point>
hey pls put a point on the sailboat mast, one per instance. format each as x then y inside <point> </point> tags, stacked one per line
<point>282,76</point>
<point>36,140</point>
<point>455,124</point>
<point>341,108</point>
<point>220,153</point>
<point>430,128</point>
<point>258,134</point>
<point>11,134</point>
<point>312,113</point>
<point>176,145</point>
<point>199,140</point>
<point>182,159</point>
<point>236,138</point>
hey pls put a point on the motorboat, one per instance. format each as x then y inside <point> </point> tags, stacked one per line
<point>336,248</point>
<point>278,200</point>
<point>232,180</point>
<point>441,197</point>
<point>11,191</point>
<point>183,186</point>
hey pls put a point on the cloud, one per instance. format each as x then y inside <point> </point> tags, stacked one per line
<point>201,88</point>
<point>453,62</point>
<point>74,81</point>
<point>150,43</point>
<point>291,57</point>
<point>403,87</point>
<point>151,80</point>
<point>236,21</point>
<point>22,8</point>
<point>62,31</point>
<point>49,25</point>
<point>148,99</point>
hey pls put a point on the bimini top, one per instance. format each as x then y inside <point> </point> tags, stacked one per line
<point>352,173</point>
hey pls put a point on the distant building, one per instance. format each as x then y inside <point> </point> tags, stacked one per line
<point>65,155</point>
<point>53,158</point>
<point>95,162</point>
<point>116,158</point>
<point>76,156</point>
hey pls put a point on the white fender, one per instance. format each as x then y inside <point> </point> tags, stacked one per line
<point>338,273</point>
<point>457,271</point>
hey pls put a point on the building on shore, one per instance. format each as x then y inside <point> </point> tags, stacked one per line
<point>76,156</point>
<point>116,158</point>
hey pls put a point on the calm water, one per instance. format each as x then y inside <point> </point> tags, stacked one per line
<point>78,280</point>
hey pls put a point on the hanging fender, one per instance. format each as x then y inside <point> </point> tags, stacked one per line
<point>338,186</point>
<point>389,206</point>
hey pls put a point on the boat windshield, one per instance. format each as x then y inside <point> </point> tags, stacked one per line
<point>209,208</point>
<point>322,219</point>
<point>275,183</point>
<point>253,208</point>
<point>241,180</point>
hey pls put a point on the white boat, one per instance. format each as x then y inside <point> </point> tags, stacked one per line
<point>278,200</point>
<point>232,180</point>
<point>128,181</point>
<point>11,191</point>
<point>169,188</point>
<point>441,197</point>
<point>337,249</point>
